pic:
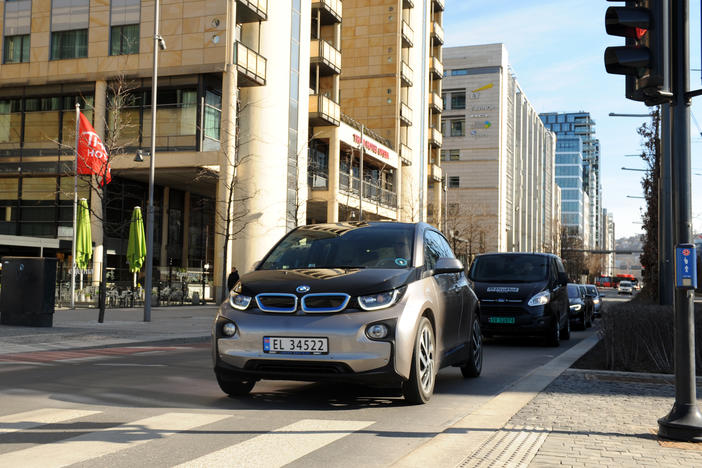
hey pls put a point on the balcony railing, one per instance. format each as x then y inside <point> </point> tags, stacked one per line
<point>324,111</point>
<point>405,152</point>
<point>406,74</point>
<point>372,191</point>
<point>317,180</point>
<point>407,35</point>
<point>437,32</point>
<point>326,56</point>
<point>439,5</point>
<point>435,137</point>
<point>251,11</point>
<point>330,10</point>
<point>436,103</point>
<point>435,172</point>
<point>250,65</point>
<point>437,68</point>
<point>407,4</point>
<point>405,115</point>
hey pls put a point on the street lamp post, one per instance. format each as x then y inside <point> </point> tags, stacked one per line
<point>158,44</point>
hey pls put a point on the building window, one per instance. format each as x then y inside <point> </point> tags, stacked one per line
<point>17,27</point>
<point>450,155</point>
<point>458,100</point>
<point>16,49</point>
<point>454,181</point>
<point>458,127</point>
<point>124,22</point>
<point>124,39</point>
<point>69,28</point>
<point>213,115</point>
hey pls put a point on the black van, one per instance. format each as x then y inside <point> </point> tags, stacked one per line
<point>522,294</point>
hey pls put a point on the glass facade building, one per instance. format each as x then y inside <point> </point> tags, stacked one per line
<point>578,173</point>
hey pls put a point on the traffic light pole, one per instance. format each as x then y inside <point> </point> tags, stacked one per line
<point>666,273</point>
<point>684,422</point>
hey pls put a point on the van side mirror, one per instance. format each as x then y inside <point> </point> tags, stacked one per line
<point>448,265</point>
<point>562,277</point>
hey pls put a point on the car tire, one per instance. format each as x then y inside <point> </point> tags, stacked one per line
<point>474,366</point>
<point>553,335</point>
<point>233,386</point>
<point>420,386</point>
<point>565,332</point>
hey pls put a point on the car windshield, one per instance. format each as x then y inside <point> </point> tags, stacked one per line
<point>625,284</point>
<point>509,268</point>
<point>573,291</point>
<point>591,290</point>
<point>341,246</point>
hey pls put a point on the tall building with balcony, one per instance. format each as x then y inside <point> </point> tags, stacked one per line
<point>570,129</point>
<point>232,122</point>
<point>391,81</point>
<point>497,155</point>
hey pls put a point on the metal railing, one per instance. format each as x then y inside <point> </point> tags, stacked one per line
<point>407,34</point>
<point>325,107</point>
<point>334,7</point>
<point>372,192</point>
<point>437,31</point>
<point>250,62</point>
<point>406,73</point>
<point>326,53</point>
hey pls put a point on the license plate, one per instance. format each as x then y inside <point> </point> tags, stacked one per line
<point>501,319</point>
<point>295,345</point>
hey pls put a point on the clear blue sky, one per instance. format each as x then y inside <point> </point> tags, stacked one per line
<point>556,50</point>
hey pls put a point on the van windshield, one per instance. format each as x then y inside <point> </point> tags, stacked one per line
<point>509,268</point>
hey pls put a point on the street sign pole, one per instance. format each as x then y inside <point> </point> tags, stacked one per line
<point>684,422</point>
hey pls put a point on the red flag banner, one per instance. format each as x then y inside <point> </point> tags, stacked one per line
<point>92,156</point>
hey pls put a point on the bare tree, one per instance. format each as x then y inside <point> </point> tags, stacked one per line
<point>573,254</point>
<point>465,225</point>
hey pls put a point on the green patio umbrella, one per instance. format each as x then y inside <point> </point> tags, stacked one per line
<point>84,241</point>
<point>136,246</point>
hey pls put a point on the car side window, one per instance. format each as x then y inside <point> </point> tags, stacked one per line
<point>444,245</point>
<point>432,249</point>
<point>553,271</point>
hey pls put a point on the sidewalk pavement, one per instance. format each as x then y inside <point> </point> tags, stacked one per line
<point>79,328</point>
<point>554,417</point>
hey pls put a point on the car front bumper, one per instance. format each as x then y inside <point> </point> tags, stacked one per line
<point>527,320</point>
<point>352,356</point>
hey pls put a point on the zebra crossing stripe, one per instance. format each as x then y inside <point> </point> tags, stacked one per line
<point>280,446</point>
<point>29,419</point>
<point>106,441</point>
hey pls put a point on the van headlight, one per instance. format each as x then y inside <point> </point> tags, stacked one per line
<point>540,299</point>
<point>379,300</point>
<point>238,300</point>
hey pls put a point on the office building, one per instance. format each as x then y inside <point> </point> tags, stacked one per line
<point>578,174</point>
<point>497,155</point>
<point>252,138</point>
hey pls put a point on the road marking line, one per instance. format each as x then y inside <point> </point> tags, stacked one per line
<point>106,441</point>
<point>27,420</point>
<point>280,446</point>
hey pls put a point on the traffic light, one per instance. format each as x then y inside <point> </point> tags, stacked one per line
<point>644,57</point>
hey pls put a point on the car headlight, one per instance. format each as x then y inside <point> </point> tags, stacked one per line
<point>540,299</point>
<point>379,300</point>
<point>238,301</point>
<point>596,301</point>
<point>576,307</point>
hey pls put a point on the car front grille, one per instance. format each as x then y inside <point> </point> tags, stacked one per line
<point>279,303</point>
<point>297,367</point>
<point>324,303</point>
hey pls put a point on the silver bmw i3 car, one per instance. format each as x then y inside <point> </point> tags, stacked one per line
<point>380,303</point>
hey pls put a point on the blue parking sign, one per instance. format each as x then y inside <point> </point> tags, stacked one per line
<point>685,266</point>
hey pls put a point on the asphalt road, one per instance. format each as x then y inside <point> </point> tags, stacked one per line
<point>123,392</point>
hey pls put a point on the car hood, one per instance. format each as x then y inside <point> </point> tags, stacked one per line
<point>507,291</point>
<point>352,281</point>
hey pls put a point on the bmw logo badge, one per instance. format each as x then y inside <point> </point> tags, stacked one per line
<point>303,288</point>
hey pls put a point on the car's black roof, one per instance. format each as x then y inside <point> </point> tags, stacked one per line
<point>541,254</point>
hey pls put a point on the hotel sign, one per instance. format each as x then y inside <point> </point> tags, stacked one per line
<point>382,153</point>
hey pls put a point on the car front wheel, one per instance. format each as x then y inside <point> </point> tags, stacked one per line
<point>420,386</point>
<point>553,335</point>
<point>232,386</point>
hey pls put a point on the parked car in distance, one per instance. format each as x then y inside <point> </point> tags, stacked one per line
<point>594,293</point>
<point>522,294</point>
<point>625,287</point>
<point>380,303</point>
<point>580,307</point>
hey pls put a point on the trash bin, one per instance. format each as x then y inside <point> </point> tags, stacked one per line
<point>28,291</point>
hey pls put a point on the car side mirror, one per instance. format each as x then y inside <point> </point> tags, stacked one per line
<point>562,278</point>
<point>448,265</point>
<point>255,264</point>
